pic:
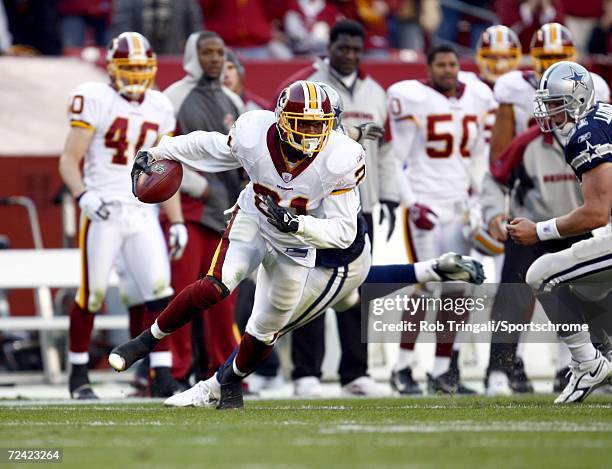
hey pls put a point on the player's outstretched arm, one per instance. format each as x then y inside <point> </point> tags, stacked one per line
<point>199,150</point>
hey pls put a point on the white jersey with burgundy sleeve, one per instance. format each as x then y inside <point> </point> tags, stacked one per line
<point>121,128</point>
<point>517,88</point>
<point>321,189</point>
<point>439,141</point>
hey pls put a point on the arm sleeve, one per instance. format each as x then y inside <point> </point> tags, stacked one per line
<point>587,149</point>
<point>479,159</point>
<point>200,150</point>
<point>338,229</point>
<point>404,128</point>
<point>169,125</point>
<point>83,109</point>
<point>193,184</point>
<point>491,199</point>
<point>387,181</point>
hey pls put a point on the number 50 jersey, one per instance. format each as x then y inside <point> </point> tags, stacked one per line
<point>121,128</point>
<point>439,141</point>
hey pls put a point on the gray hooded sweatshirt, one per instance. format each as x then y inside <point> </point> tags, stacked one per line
<point>203,104</point>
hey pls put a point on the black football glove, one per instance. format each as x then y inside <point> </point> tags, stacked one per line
<point>387,209</point>
<point>280,217</point>
<point>142,163</point>
<point>370,131</point>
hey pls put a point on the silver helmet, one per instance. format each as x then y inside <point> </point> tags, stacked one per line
<point>565,95</point>
<point>336,103</point>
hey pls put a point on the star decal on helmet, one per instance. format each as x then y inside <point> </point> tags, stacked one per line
<point>576,79</point>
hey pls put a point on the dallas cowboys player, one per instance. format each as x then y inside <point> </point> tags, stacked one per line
<point>576,281</point>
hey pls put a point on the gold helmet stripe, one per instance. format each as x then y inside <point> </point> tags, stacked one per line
<point>553,33</point>
<point>500,37</point>
<point>137,44</point>
<point>312,95</point>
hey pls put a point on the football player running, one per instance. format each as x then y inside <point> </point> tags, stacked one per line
<point>109,123</point>
<point>573,282</point>
<point>334,281</point>
<point>301,196</point>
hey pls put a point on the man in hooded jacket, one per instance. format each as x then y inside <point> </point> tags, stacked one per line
<point>201,102</point>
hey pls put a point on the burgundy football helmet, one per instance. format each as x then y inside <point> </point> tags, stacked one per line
<point>550,44</point>
<point>304,116</point>
<point>131,64</point>
<point>498,52</point>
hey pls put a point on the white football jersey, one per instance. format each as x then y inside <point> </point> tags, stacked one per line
<point>439,141</point>
<point>319,188</point>
<point>121,128</point>
<point>518,89</point>
<point>490,118</point>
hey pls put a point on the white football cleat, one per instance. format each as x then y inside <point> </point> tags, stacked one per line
<point>585,378</point>
<point>365,386</point>
<point>200,394</point>
<point>307,386</point>
<point>498,384</point>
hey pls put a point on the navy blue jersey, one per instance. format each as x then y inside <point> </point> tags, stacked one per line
<point>332,258</point>
<point>591,143</point>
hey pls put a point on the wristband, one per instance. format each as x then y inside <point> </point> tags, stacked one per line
<point>78,197</point>
<point>547,230</point>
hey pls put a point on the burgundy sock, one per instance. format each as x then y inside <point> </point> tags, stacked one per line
<point>251,353</point>
<point>81,325</point>
<point>136,313</point>
<point>148,318</point>
<point>196,297</point>
<point>444,349</point>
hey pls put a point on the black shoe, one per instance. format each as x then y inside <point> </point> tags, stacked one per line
<point>163,384</point>
<point>80,387</point>
<point>231,396</point>
<point>519,382</point>
<point>125,355</point>
<point>562,379</point>
<point>403,382</point>
<point>447,383</point>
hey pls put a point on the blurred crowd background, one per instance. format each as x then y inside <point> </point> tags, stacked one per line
<point>263,29</point>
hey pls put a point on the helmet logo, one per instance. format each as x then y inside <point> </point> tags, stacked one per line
<point>576,79</point>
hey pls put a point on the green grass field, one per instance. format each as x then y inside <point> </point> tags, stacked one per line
<point>433,432</point>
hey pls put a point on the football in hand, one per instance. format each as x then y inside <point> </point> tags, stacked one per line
<point>161,184</point>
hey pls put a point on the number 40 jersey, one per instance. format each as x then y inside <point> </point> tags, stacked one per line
<point>439,141</point>
<point>121,128</point>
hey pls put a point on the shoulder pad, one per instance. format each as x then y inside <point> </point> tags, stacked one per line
<point>409,90</point>
<point>602,90</point>
<point>480,89</point>
<point>249,128</point>
<point>94,90</point>
<point>161,100</point>
<point>345,156</point>
<point>467,76</point>
<point>509,86</point>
